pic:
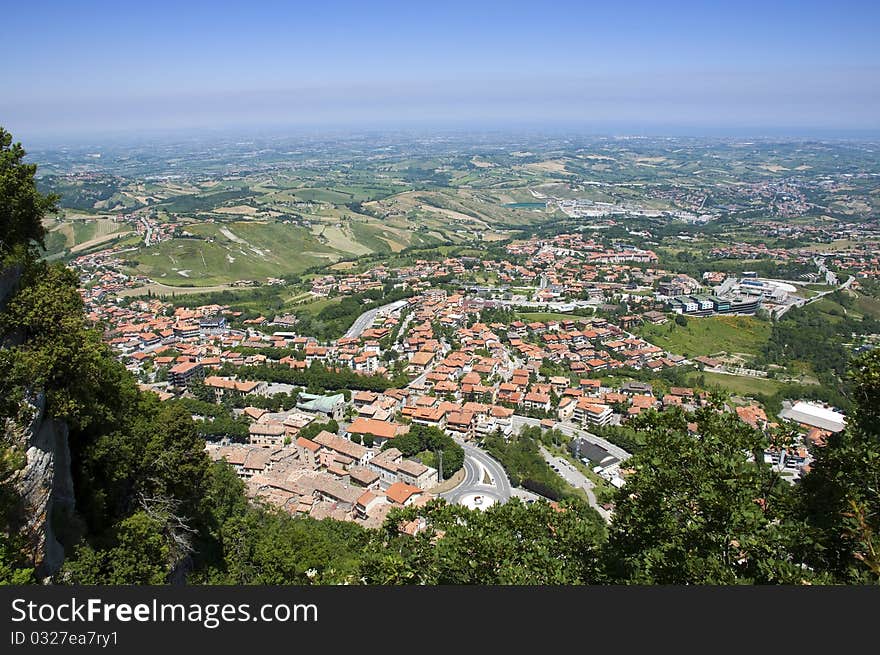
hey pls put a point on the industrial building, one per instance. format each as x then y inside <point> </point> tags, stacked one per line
<point>814,416</point>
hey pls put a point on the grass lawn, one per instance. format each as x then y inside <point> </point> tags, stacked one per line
<point>707,336</point>
<point>314,308</point>
<point>737,384</point>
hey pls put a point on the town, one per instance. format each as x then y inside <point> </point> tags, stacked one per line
<point>548,338</point>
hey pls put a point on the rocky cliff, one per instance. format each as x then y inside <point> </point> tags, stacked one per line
<point>45,483</point>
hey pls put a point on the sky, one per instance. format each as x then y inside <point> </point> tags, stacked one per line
<point>90,67</point>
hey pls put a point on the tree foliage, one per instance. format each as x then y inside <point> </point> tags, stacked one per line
<point>513,543</point>
<point>839,501</point>
<point>22,206</point>
<point>422,438</point>
<point>700,508</point>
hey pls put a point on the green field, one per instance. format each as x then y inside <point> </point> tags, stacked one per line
<point>869,306</point>
<point>254,251</point>
<point>708,336</point>
<point>331,196</point>
<point>735,384</point>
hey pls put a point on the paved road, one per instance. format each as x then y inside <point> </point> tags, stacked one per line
<point>366,319</point>
<point>567,428</point>
<point>148,235</point>
<point>476,464</point>
<point>575,478</point>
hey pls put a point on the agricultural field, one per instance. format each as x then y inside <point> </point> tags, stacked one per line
<point>76,233</point>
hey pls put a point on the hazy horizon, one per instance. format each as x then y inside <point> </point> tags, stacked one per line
<point>98,69</point>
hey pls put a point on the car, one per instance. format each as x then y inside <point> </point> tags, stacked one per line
<point>478,500</point>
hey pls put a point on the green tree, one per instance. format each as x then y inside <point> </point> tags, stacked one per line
<point>22,207</point>
<point>839,500</point>
<point>140,556</point>
<point>511,543</point>
<point>700,509</point>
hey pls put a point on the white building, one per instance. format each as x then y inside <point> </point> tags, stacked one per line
<point>815,416</point>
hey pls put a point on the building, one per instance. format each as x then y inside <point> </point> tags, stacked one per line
<point>181,374</point>
<point>330,406</point>
<point>378,431</point>
<point>401,493</point>
<point>267,434</point>
<point>588,411</point>
<point>212,324</point>
<point>812,415</point>
<point>359,455</point>
<point>228,387</point>
<point>587,451</point>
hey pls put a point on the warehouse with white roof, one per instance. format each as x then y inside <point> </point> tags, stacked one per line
<point>814,416</point>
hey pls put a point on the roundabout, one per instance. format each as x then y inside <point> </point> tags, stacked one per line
<point>485,482</point>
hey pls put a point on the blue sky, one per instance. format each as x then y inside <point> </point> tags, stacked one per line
<point>79,67</point>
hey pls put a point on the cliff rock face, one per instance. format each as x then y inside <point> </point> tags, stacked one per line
<point>45,485</point>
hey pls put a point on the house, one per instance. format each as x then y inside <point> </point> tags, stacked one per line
<point>377,432</point>
<point>363,477</point>
<point>363,398</point>
<point>417,474</point>
<point>637,388</point>
<point>434,416</point>
<point>368,502</point>
<point>339,446</point>
<point>591,387</point>
<point>307,451</point>
<point>385,466</point>
<point>246,461</point>
<point>559,383</point>
<point>256,463</point>
<point>270,433</point>
<point>212,324</point>
<point>330,490</point>
<point>657,318</point>
<point>460,424</point>
<point>566,409</point>
<point>419,361</point>
<point>535,400</point>
<point>186,330</point>
<point>401,493</point>
<point>754,415</point>
<point>224,387</point>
